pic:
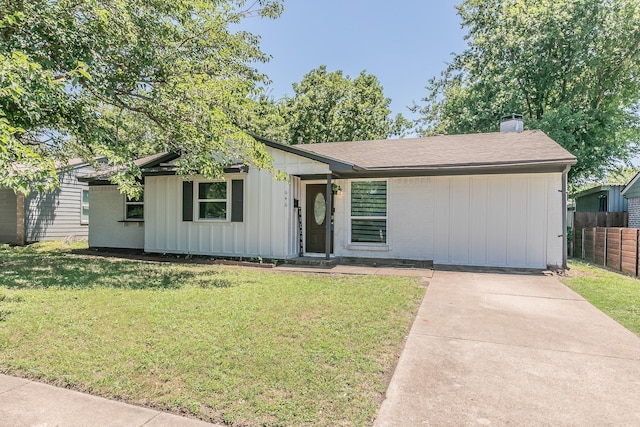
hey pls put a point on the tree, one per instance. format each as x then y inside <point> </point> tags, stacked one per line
<point>572,67</point>
<point>120,79</point>
<point>328,107</point>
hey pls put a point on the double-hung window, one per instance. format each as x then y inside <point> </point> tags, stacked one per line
<point>84,207</point>
<point>212,200</point>
<point>134,208</point>
<point>369,212</point>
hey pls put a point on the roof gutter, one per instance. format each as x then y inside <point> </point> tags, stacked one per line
<point>514,168</point>
<point>561,162</point>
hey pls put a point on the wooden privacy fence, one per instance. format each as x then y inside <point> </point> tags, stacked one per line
<point>613,247</point>
<point>599,219</point>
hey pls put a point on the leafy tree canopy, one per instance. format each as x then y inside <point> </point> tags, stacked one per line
<point>329,107</point>
<point>118,80</point>
<point>572,67</point>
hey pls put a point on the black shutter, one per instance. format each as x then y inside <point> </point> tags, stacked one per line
<point>187,201</point>
<point>237,200</point>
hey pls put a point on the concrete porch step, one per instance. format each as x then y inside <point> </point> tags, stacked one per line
<point>313,261</point>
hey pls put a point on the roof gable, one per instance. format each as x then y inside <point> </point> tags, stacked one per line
<point>335,165</point>
<point>632,186</point>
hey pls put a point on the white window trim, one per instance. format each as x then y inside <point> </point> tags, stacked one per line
<point>133,203</point>
<point>82,206</point>
<point>197,200</point>
<point>368,245</point>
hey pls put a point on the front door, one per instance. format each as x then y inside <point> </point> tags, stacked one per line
<point>317,219</point>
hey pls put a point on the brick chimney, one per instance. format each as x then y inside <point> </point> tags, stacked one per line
<point>512,123</point>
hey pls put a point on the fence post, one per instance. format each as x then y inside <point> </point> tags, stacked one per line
<point>593,254</point>
<point>637,249</point>
<point>606,236</point>
<point>620,250</point>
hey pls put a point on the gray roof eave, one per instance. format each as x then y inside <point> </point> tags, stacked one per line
<point>559,162</point>
<point>592,190</point>
<point>104,176</point>
<point>468,169</point>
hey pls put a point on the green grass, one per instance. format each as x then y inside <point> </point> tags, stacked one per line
<point>224,344</point>
<point>615,294</point>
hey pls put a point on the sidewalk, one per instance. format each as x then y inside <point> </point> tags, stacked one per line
<point>28,403</point>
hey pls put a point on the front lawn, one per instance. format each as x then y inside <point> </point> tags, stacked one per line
<point>614,294</point>
<point>223,344</point>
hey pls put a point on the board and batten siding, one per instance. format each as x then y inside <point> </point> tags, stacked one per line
<point>479,220</point>
<point>616,201</point>
<point>8,219</point>
<point>106,218</point>
<point>57,215</point>
<point>269,219</point>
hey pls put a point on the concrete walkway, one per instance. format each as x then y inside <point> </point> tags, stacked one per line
<point>517,350</point>
<point>28,403</point>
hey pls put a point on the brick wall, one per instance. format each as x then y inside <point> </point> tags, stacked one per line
<point>634,212</point>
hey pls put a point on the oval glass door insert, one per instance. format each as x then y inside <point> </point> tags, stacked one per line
<point>319,208</point>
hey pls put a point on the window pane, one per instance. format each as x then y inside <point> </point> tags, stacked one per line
<point>319,209</point>
<point>212,190</point>
<point>369,230</point>
<point>85,197</point>
<point>85,214</point>
<point>369,198</point>
<point>213,210</point>
<point>135,212</point>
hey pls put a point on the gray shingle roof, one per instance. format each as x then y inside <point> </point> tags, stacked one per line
<point>108,171</point>
<point>470,150</point>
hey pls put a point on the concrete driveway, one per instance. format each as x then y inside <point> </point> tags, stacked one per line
<point>517,350</point>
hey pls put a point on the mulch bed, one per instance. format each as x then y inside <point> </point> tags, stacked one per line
<point>169,258</point>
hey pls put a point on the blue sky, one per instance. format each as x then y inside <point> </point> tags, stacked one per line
<point>403,43</point>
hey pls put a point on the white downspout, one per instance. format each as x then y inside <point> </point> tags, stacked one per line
<point>564,217</point>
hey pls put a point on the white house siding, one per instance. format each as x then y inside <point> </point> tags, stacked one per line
<point>106,214</point>
<point>8,221</point>
<point>485,220</point>
<point>268,223</point>
<point>57,215</point>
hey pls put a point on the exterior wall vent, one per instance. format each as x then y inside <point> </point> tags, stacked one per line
<point>512,123</point>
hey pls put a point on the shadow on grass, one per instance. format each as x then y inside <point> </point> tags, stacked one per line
<point>25,269</point>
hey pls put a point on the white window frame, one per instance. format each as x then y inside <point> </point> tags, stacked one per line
<point>364,245</point>
<point>83,205</point>
<point>197,200</point>
<point>128,202</point>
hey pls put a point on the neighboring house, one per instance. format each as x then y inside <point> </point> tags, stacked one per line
<point>631,193</point>
<point>493,199</point>
<point>601,198</point>
<point>47,216</point>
